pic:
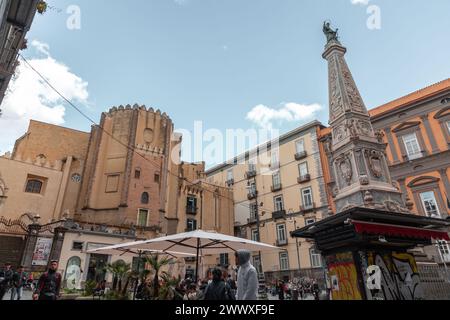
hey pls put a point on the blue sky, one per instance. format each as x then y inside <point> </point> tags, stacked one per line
<point>216,60</point>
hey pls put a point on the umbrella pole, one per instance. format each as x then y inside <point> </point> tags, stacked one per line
<point>196,261</point>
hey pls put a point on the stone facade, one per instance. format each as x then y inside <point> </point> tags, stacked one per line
<point>124,179</point>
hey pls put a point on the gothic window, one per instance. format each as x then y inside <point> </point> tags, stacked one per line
<point>145,198</point>
<point>412,146</point>
<point>34,186</point>
<point>430,204</point>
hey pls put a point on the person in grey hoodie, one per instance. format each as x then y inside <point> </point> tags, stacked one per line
<point>247,281</point>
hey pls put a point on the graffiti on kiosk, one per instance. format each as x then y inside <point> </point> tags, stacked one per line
<point>344,277</point>
<point>398,277</point>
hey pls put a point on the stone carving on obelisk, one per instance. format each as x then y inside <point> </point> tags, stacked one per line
<point>358,157</point>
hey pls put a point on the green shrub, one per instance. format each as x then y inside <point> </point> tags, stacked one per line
<point>89,288</point>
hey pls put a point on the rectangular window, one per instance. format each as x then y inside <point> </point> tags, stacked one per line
<point>191,205</point>
<point>284,261</point>
<point>275,159</point>
<point>137,174</point>
<point>303,169</point>
<point>112,183</point>
<point>307,198</point>
<point>412,146</point>
<point>252,188</point>
<point>444,250</point>
<point>224,259</point>
<point>276,179</point>
<point>191,225</point>
<point>142,218</point>
<point>300,146</point>
<point>448,126</point>
<point>278,203</point>
<point>310,221</point>
<point>156,178</point>
<point>253,211</point>
<point>252,166</point>
<point>281,233</point>
<point>255,236</point>
<point>257,264</point>
<point>77,246</point>
<point>430,205</point>
<point>230,175</point>
<point>316,259</point>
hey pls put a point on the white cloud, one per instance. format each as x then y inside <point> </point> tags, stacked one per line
<point>28,97</point>
<point>265,117</point>
<point>360,2</point>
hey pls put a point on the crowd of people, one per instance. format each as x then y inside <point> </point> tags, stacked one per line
<point>47,287</point>
<point>296,290</point>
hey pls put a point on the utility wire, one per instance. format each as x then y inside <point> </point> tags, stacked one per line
<point>120,142</point>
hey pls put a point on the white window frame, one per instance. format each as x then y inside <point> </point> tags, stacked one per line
<point>284,261</point>
<point>278,203</point>
<point>281,232</point>
<point>444,250</point>
<point>448,126</point>
<point>310,221</point>
<point>301,166</point>
<point>138,217</point>
<point>316,258</point>
<point>254,235</point>
<point>230,175</point>
<point>298,143</point>
<point>253,210</point>
<point>310,196</point>
<point>275,157</point>
<point>276,179</point>
<point>411,142</point>
<point>424,200</point>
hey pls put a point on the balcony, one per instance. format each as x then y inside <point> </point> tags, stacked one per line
<point>301,155</point>
<point>303,179</point>
<point>250,174</point>
<point>191,210</point>
<point>252,195</point>
<point>279,214</point>
<point>282,243</point>
<point>252,220</point>
<point>308,208</point>
<point>230,182</point>
<point>277,187</point>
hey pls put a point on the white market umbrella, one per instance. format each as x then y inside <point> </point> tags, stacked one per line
<point>197,243</point>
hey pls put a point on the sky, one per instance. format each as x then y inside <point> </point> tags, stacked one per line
<point>232,64</point>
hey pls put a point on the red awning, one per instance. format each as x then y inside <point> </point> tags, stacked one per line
<point>399,231</point>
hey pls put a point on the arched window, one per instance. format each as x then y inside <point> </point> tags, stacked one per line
<point>73,273</point>
<point>34,186</point>
<point>145,198</point>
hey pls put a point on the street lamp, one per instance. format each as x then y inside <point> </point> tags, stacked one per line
<point>296,242</point>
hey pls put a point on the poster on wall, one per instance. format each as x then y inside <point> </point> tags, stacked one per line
<point>42,251</point>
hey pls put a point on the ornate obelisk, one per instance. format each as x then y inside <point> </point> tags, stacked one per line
<point>358,155</point>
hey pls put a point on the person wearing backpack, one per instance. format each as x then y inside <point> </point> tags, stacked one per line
<point>49,284</point>
<point>218,289</point>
